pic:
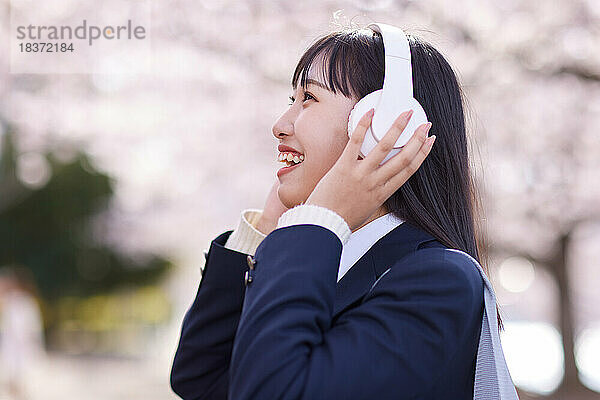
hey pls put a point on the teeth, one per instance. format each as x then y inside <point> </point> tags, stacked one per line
<point>290,159</point>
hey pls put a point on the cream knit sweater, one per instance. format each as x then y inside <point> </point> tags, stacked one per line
<point>246,238</point>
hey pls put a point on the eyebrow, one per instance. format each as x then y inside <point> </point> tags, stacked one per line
<point>315,82</point>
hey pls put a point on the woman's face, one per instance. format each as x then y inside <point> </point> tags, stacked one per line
<point>314,125</point>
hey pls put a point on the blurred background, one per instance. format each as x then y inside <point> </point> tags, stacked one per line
<point>112,184</point>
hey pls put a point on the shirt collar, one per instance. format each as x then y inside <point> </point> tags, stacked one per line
<point>363,239</point>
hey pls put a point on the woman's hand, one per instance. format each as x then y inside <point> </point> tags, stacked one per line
<point>271,212</point>
<point>356,188</point>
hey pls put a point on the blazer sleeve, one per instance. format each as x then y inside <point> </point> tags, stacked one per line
<point>395,344</point>
<point>201,362</point>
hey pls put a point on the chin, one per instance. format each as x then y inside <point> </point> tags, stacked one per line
<point>290,196</point>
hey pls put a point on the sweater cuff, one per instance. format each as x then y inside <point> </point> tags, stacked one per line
<point>316,215</point>
<point>246,238</point>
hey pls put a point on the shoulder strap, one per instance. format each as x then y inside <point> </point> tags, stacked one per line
<point>492,378</point>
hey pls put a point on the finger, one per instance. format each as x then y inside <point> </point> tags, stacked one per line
<point>400,178</point>
<point>386,144</point>
<point>352,150</point>
<point>403,159</point>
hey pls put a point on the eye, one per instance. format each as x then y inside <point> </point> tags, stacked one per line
<point>307,96</point>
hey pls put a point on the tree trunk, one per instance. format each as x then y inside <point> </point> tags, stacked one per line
<point>571,386</point>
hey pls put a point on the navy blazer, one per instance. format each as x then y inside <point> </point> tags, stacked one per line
<point>403,323</point>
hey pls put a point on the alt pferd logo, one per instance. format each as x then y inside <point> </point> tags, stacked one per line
<point>57,36</point>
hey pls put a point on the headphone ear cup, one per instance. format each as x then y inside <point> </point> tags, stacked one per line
<point>360,108</point>
<point>372,101</point>
<point>417,119</point>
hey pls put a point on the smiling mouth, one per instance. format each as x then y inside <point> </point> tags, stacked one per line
<point>290,158</point>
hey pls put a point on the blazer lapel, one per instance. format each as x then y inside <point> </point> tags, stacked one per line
<point>359,279</point>
<point>355,283</point>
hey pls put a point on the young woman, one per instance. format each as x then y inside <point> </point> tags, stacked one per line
<point>356,289</point>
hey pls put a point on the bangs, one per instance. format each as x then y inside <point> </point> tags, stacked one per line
<point>347,62</point>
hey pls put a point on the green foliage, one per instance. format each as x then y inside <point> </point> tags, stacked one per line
<point>47,230</point>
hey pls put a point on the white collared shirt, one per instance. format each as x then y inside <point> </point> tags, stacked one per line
<point>363,239</point>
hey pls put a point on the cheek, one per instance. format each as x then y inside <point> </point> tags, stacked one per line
<point>326,134</point>
<point>323,145</point>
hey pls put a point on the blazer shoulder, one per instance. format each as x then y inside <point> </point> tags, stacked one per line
<point>452,259</point>
<point>437,267</point>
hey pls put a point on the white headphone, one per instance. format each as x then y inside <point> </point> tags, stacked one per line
<point>395,97</point>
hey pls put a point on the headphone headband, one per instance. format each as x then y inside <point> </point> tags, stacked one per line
<point>398,67</point>
<point>395,97</point>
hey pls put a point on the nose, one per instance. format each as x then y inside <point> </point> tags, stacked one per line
<point>284,126</point>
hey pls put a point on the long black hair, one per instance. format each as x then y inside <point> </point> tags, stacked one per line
<point>441,197</point>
